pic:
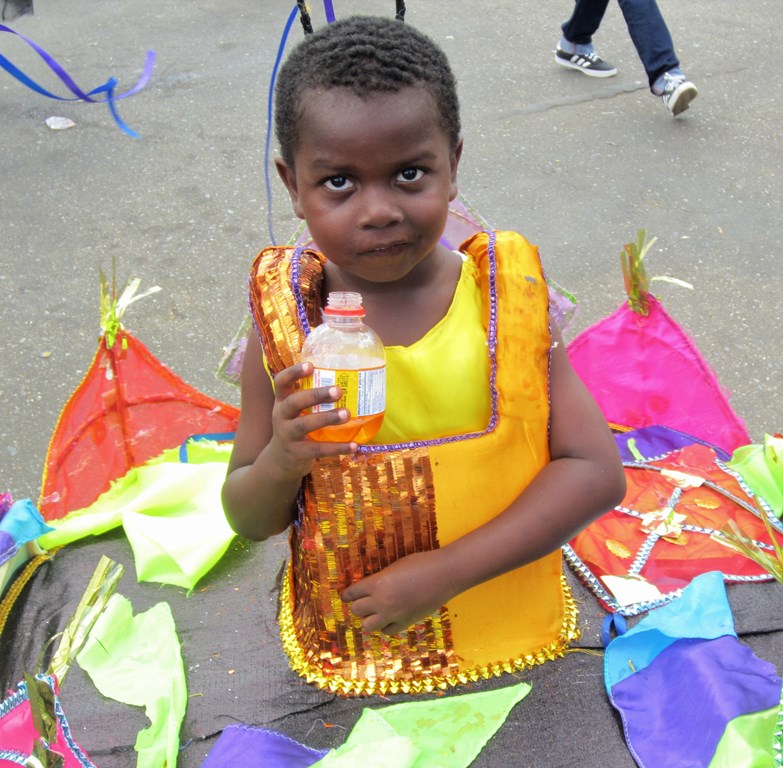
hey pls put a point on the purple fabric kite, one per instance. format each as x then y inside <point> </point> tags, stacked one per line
<point>689,693</point>
<point>253,747</point>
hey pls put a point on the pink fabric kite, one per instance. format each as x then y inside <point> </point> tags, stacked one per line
<point>19,730</point>
<point>643,369</point>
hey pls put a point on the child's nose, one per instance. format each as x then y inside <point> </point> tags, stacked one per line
<point>378,207</point>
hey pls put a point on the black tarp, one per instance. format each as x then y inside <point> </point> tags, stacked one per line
<point>237,672</point>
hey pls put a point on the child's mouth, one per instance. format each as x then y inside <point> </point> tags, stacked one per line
<point>389,249</point>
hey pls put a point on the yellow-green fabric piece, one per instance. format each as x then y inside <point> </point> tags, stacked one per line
<point>761,467</point>
<point>378,750</point>
<point>171,512</point>
<point>440,733</point>
<point>747,741</point>
<point>137,660</point>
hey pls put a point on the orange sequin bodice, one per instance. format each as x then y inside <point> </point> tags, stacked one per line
<point>359,513</point>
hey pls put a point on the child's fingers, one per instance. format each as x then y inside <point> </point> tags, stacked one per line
<point>354,592</point>
<point>307,398</point>
<point>319,450</point>
<point>285,381</point>
<point>334,449</point>
<point>362,608</point>
<point>375,622</point>
<point>304,423</point>
<point>391,629</point>
<point>291,401</point>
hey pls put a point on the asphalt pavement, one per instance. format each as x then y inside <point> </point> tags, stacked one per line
<point>575,163</point>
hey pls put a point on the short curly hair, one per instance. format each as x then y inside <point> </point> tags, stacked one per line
<point>368,55</point>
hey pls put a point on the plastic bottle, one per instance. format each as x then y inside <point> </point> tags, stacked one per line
<point>346,353</point>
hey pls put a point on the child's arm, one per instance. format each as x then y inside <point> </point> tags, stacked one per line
<point>271,451</point>
<point>583,480</point>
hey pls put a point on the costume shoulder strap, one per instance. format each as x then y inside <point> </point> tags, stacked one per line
<point>285,299</point>
<point>518,256</point>
<point>511,268</point>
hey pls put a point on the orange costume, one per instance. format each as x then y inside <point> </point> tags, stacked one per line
<point>359,513</point>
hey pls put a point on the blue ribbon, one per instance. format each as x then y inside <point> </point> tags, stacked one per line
<point>616,622</point>
<point>105,92</point>
<point>330,17</point>
<point>269,106</point>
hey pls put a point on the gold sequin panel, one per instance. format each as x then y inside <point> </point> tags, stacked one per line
<point>275,311</point>
<point>351,535</point>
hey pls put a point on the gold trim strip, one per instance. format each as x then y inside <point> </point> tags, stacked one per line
<point>301,664</point>
<point>18,584</point>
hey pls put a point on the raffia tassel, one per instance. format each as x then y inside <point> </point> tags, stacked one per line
<point>637,284</point>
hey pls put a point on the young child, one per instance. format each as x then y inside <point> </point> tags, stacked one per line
<point>431,556</point>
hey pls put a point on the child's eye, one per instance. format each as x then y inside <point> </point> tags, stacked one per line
<point>338,183</point>
<point>410,174</point>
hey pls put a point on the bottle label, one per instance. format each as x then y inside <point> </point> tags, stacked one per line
<point>364,390</point>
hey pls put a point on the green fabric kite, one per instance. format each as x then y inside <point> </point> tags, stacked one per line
<point>171,512</point>
<point>137,660</point>
<point>442,733</point>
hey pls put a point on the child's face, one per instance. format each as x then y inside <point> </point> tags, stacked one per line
<point>373,178</point>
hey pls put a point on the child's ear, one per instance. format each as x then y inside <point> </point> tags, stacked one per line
<point>288,177</point>
<point>454,161</point>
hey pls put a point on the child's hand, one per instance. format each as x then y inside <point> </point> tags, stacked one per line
<point>290,445</point>
<point>407,591</point>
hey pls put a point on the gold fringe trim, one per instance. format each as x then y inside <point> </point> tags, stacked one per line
<point>298,660</point>
<point>18,584</point>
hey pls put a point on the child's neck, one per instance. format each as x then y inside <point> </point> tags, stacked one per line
<point>403,312</point>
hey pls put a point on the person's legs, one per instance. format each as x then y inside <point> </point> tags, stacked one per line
<point>655,47</point>
<point>652,41</point>
<point>650,37</point>
<point>575,48</point>
<point>675,90</point>
<point>584,21</point>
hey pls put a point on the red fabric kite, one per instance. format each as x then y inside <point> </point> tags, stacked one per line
<point>669,529</point>
<point>128,409</point>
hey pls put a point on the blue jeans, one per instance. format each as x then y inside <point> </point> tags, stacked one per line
<point>646,26</point>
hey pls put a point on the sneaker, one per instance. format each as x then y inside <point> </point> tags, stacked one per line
<point>590,64</point>
<point>677,93</point>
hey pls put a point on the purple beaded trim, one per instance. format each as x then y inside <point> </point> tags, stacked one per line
<point>492,342</point>
<point>297,291</point>
<point>250,306</point>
